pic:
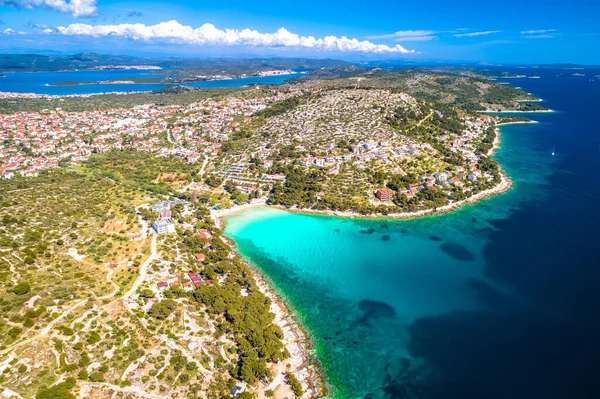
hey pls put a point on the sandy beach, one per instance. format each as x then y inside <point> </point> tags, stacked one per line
<point>218,214</point>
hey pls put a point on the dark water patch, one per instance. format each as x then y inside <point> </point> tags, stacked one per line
<point>457,251</point>
<point>474,219</point>
<point>336,230</point>
<point>489,296</point>
<point>484,231</point>
<point>385,237</point>
<point>367,231</point>
<point>435,238</point>
<point>373,310</point>
<point>404,231</point>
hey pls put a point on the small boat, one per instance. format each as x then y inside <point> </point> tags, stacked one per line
<point>553,151</point>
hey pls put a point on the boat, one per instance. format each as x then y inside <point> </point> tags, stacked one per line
<point>553,151</point>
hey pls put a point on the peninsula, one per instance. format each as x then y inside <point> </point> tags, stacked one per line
<point>116,278</point>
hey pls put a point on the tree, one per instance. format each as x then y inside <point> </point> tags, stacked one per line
<point>252,368</point>
<point>96,376</point>
<point>213,181</point>
<point>93,338</point>
<point>22,288</point>
<point>161,310</point>
<point>58,391</point>
<point>294,384</point>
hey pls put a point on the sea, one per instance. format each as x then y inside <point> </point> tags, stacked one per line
<point>41,82</point>
<point>500,299</point>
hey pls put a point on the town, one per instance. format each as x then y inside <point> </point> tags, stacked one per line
<point>345,134</point>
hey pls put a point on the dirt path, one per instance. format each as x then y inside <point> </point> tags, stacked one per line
<point>143,269</point>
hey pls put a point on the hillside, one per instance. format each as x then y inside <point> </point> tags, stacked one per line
<point>338,148</point>
<point>469,93</point>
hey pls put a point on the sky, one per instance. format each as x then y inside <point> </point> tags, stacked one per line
<point>509,31</point>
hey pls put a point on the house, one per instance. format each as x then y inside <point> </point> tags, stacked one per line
<point>200,257</point>
<point>472,177</point>
<point>384,194</point>
<point>164,214</point>
<point>319,161</point>
<point>203,233</point>
<point>441,176</point>
<point>193,158</point>
<point>267,163</point>
<point>162,285</point>
<point>159,206</point>
<point>164,226</point>
<point>329,158</point>
<point>196,280</point>
<point>237,390</point>
<point>455,181</point>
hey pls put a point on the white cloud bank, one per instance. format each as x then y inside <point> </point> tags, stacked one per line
<point>208,34</point>
<point>78,8</point>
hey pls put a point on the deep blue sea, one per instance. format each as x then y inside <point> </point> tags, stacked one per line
<point>500,299</point>
<point>36,82</point>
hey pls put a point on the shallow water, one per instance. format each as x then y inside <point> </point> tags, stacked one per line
<point>496,300</point>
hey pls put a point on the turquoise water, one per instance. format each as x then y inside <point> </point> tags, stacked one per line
<point>496,300</point>
<point>36,82</point>
<point>328,266</point>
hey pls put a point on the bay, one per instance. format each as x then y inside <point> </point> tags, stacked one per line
<point>499,299</point>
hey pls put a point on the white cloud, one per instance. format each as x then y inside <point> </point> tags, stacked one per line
<point>9,31</point>
<point>78,8</point>
<point>407,35</point>
<point>536,32</point>
<point>539,37</point>
<point>471,34</point>
<point>208,34</point>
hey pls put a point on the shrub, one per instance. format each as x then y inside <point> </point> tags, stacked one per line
<point>22,288</point>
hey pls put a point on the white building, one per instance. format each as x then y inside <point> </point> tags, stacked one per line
<point>164,226</point>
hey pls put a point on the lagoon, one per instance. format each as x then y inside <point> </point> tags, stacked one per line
<point>496,300</point>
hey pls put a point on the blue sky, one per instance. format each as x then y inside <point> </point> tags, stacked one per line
<point>509,31</point>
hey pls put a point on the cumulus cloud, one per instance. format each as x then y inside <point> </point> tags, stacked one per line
<point>208,34</point>
<point>78,8</point>
<point>472,34</point>
<point>537,31</point>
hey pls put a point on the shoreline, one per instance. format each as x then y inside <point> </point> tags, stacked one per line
<point>504,185</point>
<point>304,364</point>
<point>519,112</point>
